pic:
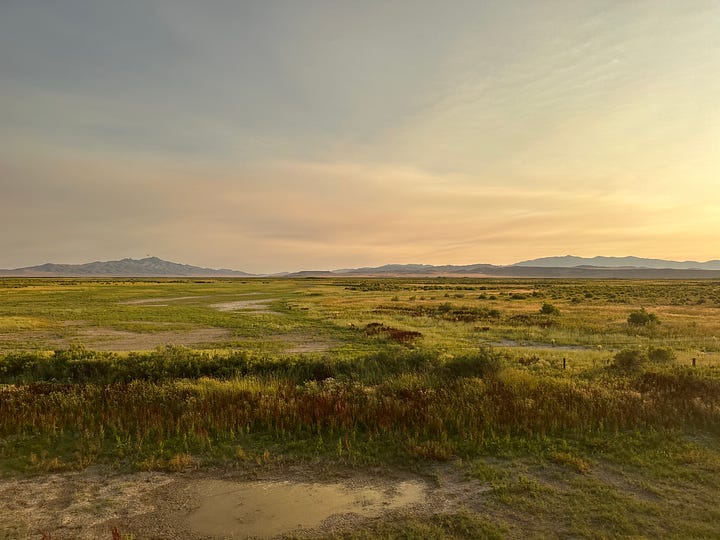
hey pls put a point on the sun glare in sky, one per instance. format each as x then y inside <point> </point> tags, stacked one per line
<point>271,136</point>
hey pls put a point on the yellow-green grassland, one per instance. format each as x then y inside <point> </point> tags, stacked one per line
<point>527,408</point>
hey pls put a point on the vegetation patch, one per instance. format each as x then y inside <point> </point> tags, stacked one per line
<point>642,318</point>
<point>444,311</point>
<point>581,409</point>
<point>395,334</point>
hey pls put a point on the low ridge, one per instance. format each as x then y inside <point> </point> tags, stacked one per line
<point>547,267</point>
<point>571,261</point>
<point>147,267</point>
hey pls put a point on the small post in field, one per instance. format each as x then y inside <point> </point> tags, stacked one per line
<point>563,363</point>
<point>693,362</point>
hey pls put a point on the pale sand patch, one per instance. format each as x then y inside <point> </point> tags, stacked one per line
<point>157,301</point>
<point>106,339</point>
<point>75,504</point>
<point>248,306</point>
<point>309,347</point>
<point>161,301</point>
<point>197,505</point>
<point>303,343</point>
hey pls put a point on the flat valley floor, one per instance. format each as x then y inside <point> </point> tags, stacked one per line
<point>359,408</point>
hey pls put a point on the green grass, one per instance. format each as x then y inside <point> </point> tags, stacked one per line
<point>445,526</point>
<point>530,403</point>
<point>408,404</point>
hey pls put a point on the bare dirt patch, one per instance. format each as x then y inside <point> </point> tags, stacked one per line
<point>303,501</point>
<point>163,301</point>
<point>157,301</point>
<point>303,347</point>
<point>32,339</point>
<point>74,505</point>
<point>303,343</point>
<point>248,306</point>
<point>106,339</point>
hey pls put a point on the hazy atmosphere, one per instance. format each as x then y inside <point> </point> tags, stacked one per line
<point>271,136</point>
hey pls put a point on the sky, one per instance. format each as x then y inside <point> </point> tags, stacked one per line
<point>272,136</point>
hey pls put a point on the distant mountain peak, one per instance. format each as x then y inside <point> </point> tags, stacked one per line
<point>127,267</point>
<point>567,266</point>
<point>572,261</point>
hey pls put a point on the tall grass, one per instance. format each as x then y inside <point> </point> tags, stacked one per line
<point>406,396</point>
<point>424,396</point>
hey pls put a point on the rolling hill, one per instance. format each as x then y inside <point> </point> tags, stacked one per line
<point>570,261</point>
<point>148,267</point>
<point>547,267</point>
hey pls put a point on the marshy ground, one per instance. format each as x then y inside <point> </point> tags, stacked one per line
<point>359,408</point>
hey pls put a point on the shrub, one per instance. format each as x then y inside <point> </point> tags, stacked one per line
<point>630,359</point>
<point>482,364</point>
<point>661,355</point>
<point>549,309</point>
<point>642,318</point>
<point>401,336</point>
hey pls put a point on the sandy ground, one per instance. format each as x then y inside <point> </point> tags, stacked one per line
<point>159,301</point>
<point>223,504</point>
<point>299,343</point>
<point>108,339</point>
<point>105,339</point>
<point>248,306</point>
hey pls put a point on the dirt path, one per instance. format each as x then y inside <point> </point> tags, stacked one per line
<point>221,504</point>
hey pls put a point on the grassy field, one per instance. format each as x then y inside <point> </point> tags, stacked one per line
<point>550,397</point>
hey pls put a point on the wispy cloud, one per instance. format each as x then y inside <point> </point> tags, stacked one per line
<point>282,215</point>
<point>285,135</point>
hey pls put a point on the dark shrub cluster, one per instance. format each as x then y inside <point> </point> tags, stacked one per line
<point>633,359</point>
<point>642,318</point>
<point>549,309</point>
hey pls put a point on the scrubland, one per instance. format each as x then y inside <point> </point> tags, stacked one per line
<point>567,408</point>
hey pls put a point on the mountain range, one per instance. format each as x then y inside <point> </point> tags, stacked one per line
<point>148,267</point>
<point>618,262</point>
<point>547,267</point>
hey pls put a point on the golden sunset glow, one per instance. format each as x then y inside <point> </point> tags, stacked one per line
<point>281,136</point>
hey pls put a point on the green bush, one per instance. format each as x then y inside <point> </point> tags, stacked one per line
<point>482,364</point>
<point>630,359</point>
<point>642,318</point>
<point>661,355</point>
<point>549,309</point>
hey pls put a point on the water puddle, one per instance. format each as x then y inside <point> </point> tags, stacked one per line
<point>265,509</point>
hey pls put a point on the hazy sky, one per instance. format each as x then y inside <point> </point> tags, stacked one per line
<point>270,136</point>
